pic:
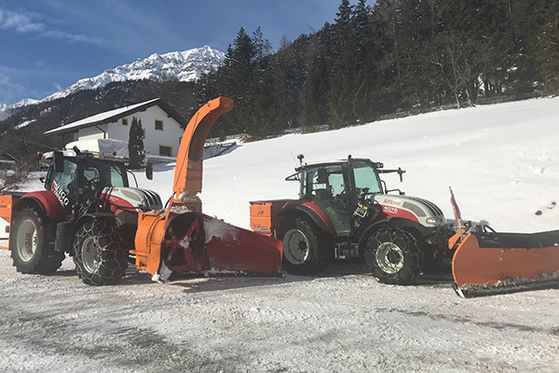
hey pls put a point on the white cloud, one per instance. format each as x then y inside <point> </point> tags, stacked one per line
<point>19,22</point>
<point>24,22</point>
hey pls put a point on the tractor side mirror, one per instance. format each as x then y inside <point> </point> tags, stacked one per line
<point>58,161</point>
<point>149,170</point>
<point>401,174</point>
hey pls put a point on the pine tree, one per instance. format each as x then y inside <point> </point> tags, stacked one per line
<point>136,152</point>
<point>340,108</point>
<point>547,52</point>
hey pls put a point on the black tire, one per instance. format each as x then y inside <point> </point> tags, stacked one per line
<point>100,253</point>
<point>392,256</point>
<point>30,250</point>
<point>306,249</point>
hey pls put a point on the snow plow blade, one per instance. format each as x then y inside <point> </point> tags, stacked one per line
<point>491,262</point>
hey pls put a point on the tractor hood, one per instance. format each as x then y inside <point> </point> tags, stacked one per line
<point>420,210</point>
<point>132,198</point>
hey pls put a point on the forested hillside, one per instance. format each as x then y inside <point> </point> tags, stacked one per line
<point>397,55</point>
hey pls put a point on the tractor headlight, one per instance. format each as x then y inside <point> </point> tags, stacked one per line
<point>431,221</point>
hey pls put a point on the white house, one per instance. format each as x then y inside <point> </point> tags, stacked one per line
<point>161,124</point>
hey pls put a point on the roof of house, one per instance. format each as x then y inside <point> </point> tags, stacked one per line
<point>114,115</point>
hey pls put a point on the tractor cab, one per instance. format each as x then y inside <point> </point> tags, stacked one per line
<point>338,187</point>
<point>76,178</point>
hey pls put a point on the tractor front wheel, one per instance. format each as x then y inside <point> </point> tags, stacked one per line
<point>392,256</point>
<point>30,250</point>
<point>100,254</point>
<point>305,248</point>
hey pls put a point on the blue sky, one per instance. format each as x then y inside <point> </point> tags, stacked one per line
<point>47,45</point>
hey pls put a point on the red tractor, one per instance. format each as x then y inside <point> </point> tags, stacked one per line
<point>344,211</point>
<point>89,211</point>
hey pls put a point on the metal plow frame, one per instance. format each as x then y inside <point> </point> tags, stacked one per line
<point>490,262</point>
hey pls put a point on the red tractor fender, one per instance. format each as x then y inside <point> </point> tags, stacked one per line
<point>312,211</point>
<point>45,201</point>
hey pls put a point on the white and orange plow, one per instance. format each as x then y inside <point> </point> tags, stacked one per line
<point>181,238</point>
<point>489,262</point>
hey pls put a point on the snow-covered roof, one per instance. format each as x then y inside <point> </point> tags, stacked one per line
<point>113,115</point>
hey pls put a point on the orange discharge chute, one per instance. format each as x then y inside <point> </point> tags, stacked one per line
<point>181,238</point>
<point>486,262</point>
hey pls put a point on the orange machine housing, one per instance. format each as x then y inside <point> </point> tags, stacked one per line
<point>265,216</point>
<point>6,205</point>
<point>185,239</point>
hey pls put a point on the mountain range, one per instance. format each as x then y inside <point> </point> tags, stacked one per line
<point>183,66</point>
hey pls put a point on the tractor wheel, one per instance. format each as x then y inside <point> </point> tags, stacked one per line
<point>306,250</point>
<point>30,250</point>
<point>392,256</point>
<point>100,254</point>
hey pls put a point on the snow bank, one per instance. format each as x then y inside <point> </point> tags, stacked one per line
<point>502,162</point>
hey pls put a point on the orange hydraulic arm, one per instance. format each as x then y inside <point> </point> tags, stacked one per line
<point>188,173</point>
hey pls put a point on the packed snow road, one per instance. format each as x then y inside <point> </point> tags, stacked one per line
<point>341,322</point>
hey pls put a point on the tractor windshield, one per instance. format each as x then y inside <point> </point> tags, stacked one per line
<point>366,177</point>
<point>326,182</point>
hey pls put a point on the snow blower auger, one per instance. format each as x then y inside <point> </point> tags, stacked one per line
<point>487,262</point>
<point>180,238</point>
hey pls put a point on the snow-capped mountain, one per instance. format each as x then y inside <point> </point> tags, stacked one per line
<point>184,66</point>
<point>6,110</point>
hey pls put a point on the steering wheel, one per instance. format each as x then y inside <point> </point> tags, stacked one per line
<point>88,198</point>
<point>91,183</point>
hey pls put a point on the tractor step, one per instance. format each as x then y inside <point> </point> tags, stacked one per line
<point>346,250</point>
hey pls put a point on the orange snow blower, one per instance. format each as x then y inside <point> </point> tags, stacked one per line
<point>486,262</point>
<point>181,238</point>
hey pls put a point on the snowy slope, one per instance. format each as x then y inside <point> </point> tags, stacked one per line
<point>501,160</point>
<point>184,66</point>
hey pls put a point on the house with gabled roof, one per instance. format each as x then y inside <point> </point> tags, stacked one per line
<point>161,123</point>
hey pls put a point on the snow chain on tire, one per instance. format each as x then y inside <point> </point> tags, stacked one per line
<point>100,253</point>
<point>393,257</point>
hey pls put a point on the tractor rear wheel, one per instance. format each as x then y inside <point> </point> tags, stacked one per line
<point>306,249</point>
<point>100,254</point>
<point>392,256</point>
<point>30,250</point>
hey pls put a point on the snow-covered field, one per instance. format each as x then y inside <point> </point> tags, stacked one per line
<point>503,164</point>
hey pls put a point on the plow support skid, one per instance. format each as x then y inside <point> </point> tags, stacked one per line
<point>490,261</point>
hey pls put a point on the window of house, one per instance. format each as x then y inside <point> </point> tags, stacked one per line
<point>159,125</point>
<point>165,150</point>
<point>124,121</point>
